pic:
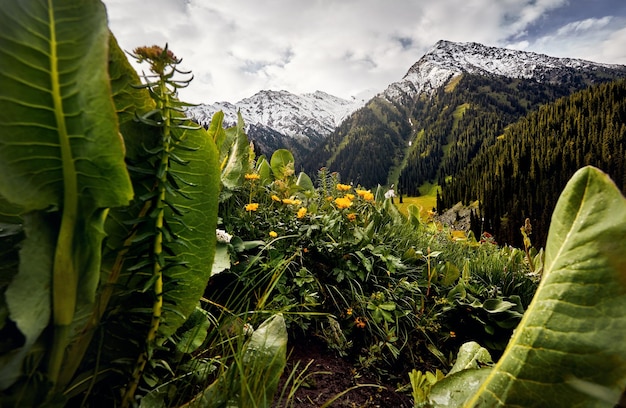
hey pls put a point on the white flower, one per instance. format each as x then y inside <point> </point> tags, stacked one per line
<point>223,237</point>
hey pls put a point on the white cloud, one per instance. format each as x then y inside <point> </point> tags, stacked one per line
<point>595,39</point>
<point>239,47</point>
<point>584,25</point>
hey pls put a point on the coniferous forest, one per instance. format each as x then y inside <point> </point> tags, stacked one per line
<point>518,177</point>
<point>502,141</point>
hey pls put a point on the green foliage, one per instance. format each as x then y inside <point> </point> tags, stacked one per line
<point>253,379</point>
<point>84,320</point>
<point>379,288</point>
<point>421,383</point>
<point>63,168</point>
<point>62,165</point>
<point>538,154</point>
<point>570,339</point>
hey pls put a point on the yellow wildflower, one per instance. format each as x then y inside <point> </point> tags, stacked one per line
<point>343,202</point>
<point>291,201</point>
<point>343,187</point>
<point>301,212</point>
<point>349,196</point>
<point>276,198</point>
<point>252,176</point>
<point>360,322</point>
<point>252,207</point>
<point>351,216</point>
<point>273,234</point>
<point>349,311</point>
<point>365,194</point>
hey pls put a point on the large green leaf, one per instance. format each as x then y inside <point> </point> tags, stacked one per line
<point>253,378</point>
<point>59,136</point>
<point>195,246</point>
<point>238,153</point>
<point>573,331</point>
<point>282,163</point>
<point>197,198</point>
<point>60,150</point>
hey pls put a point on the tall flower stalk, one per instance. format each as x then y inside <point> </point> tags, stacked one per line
<point>167,117</point>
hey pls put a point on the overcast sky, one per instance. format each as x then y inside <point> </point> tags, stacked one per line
<point>236,48</point>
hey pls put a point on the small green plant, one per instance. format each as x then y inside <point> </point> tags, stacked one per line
<point>421,383</point>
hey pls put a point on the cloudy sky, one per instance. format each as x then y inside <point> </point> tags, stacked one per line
<point>236,48</point>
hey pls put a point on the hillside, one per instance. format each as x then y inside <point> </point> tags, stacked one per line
<point>517,177</point>
<point>451,104</point>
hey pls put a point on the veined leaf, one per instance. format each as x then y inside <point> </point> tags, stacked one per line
<point>574,327</point>
<point>57,120</point>
<point>195,246</point>
<point>196,200</point>
<point>238,148</point>
<point>60,149</point>
<point>282,164</point>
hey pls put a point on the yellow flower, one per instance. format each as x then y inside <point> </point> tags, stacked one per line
<point>365,194</point>
<point>350,196</point>
<point>343,202</point>
<point>252,207</point>
<point>252,176</point>
<point>291,202</point>
<point>351,216</point>
<point>360,322</point>
<point>349,311</point>
<point>276,198</point>
<point>301,212</point>
<point>343,187</point>
<point>273,234</point>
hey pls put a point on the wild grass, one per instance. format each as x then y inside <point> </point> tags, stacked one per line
<point>425,202</point>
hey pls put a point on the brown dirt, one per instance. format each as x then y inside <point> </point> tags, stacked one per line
<point>330,375</point>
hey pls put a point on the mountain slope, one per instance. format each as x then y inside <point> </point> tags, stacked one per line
<point>417,129</point>
<point>517,177</point>
<point>280,119</point>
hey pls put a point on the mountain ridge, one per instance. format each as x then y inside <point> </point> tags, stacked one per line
<point>323,130</point>
<point>416,122</point>
<point>447,59</point>
<point>281,119</point>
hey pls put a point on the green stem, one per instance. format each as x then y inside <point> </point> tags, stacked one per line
<point>64,273</point>
<point>157,251</point>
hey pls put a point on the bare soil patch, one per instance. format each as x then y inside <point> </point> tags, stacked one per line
<point>329,375</point>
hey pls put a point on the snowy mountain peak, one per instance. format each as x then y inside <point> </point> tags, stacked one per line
<point>306,115</point>
<point>447,59</point>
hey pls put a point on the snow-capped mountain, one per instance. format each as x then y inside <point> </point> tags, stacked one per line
<point>447,59</point>
<point>412,125</point>
<point>310,115</point>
